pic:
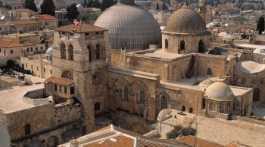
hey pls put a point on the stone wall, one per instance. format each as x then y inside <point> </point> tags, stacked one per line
<point>38,125</point>
<point>133,101</point>
<point>191,42</point>
<point>183,98</point>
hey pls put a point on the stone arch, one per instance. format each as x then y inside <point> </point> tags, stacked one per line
<point>182,45</point>
<point>141,95</point>
<point>121,89</point>
<point>63,50</point>
<point>201,47</point>
<point>166,43</point>
<point>67,74</point>
<point>70,52</point>
<point>53,141</point>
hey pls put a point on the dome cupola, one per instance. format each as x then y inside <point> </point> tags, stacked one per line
<point>129,27</point>
<point>186,21</point>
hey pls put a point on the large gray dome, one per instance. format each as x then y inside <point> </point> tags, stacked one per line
<point>129,27</point>
<point>186,21</point>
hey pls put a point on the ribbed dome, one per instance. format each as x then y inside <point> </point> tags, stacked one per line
<point>186,20</point>
<point>129,27</point>
<point>219,91</point>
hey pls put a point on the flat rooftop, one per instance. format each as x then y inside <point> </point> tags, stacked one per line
<point>225,132</point>
<point>161,54</point>
<point>12,99</point>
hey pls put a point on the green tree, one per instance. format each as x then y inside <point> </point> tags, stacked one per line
<point>30,4</point>
<point>48,7</point>
<point>106,4</point>
<point>93,3</point>
<point>72,12</point>
<point>261,25</point>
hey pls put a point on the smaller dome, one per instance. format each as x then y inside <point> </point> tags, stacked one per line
<point>186,21</point>
<point>219,91</point>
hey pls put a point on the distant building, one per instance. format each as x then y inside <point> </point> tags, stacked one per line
<point>112,136</point>
<point>36,119</point>
<point>14,47</point>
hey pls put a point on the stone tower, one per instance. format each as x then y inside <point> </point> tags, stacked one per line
<point>80,55</point>
<point>203,9</point>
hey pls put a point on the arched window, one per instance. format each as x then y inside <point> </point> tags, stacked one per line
<point>183,108</point>
<point>142,96</point>
<point>63,50</point>
<point>201,47</point>
<point>182,45</point>
<point>126,93</point>
<point>27,129</point>
<point>70,52</point>
<point>209,71</point>
<point>163,102</point>
<point>166,43</point>
<point>90,53</point>
<point>97,51</point>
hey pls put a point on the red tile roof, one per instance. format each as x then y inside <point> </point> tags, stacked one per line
<point>191,140</point>
<point>9,42</point>
<point>46,17</point>
<point>112,136</point>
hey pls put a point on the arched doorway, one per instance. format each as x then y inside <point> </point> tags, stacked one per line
<point>183,108</point>
<point>201,47</point>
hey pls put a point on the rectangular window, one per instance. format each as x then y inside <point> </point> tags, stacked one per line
<point>72,90</point>
<point>55,87</point>
<point>97,107</point>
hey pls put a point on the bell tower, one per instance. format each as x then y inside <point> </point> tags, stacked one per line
<point>80,55</point>
<point>203,9</point>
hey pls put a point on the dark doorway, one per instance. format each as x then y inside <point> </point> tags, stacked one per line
<point>183,108</point>
<point>256,94</point>
<point>202,48</point>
